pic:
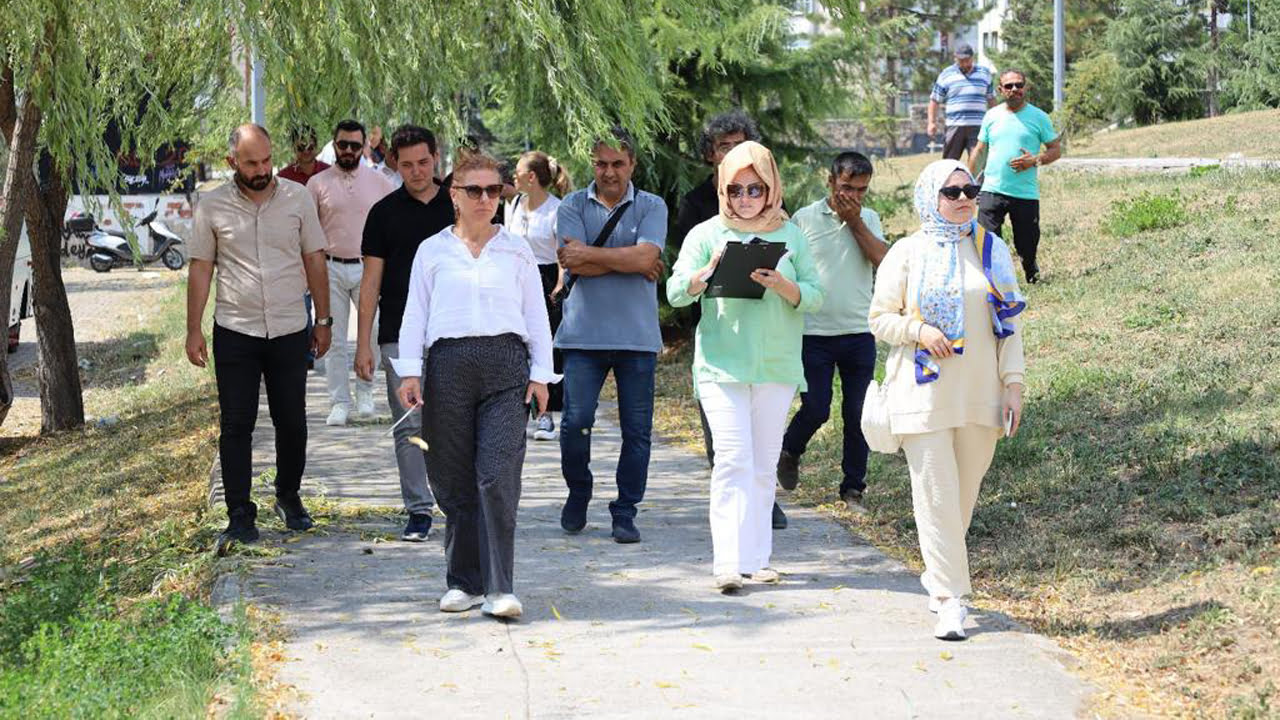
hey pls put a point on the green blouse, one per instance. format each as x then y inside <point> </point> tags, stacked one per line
<point>747,341</point>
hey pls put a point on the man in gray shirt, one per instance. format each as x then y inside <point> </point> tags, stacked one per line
<point>610,323</point>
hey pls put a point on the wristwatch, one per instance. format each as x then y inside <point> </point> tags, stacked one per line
<point>324,322</point>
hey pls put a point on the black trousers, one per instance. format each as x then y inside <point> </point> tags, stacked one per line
<point>555,392</point>
<point>959,140</point>
<point>474,426</point>
<point>1023,214</point>
<point>241,363</point>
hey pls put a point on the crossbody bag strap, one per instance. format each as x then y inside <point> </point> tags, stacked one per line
<point>601,239</point>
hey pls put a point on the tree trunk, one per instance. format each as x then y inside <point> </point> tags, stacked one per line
<point>13,201</point>
<point>58,373</point>
<point>1213,58</point>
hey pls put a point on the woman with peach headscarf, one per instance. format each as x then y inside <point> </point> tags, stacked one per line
<point>746,366</point>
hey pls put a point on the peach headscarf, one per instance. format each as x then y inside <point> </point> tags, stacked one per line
<point>752,155</point>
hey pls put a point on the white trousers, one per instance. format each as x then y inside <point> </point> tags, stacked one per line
<point>947,468</point>
<point>344,297</point>
<point>747,423</point>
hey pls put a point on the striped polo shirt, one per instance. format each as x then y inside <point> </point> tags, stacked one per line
<point>965,96</point>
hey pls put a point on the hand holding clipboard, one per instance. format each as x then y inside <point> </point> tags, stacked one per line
<point>745,269</point>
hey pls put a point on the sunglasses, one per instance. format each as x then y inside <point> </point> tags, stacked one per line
<point>304,147</point>
<point>1014,86</point>
<point>953,192</point>
<point>475,192</point>
<point>351,145</point>
<point>753,191</point>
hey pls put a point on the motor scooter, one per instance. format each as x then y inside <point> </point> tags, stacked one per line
<point>109,249</point>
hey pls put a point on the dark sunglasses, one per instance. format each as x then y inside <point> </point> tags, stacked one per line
<point>351,145</point>
<point>304,147</point>
<point>952,192</point>
<point>753,191</point>
<point>1014,86</point>
<point>475,192</point>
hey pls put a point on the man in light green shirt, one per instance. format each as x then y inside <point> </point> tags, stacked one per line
<point>847,243</point>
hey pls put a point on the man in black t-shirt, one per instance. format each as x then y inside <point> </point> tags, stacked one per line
<point>396,225</point>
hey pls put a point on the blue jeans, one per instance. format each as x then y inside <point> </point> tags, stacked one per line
<point>584,374</point>
<point>854,356</point>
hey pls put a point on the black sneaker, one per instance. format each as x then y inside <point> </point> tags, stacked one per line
<point>779,518</point>
<point>242,527</point>
<point>788,470</point>
<point>852,498</point>
<point>624,531</point>
<point>418,528</point>
<point>573,517</point>
<point>289,509</point>
<point>1033,273</point>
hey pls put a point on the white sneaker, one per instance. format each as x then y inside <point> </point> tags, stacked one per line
<point>503,605</point>
<point>546,429</point>
<point>458,601</point>
<point>728,582</point>
<point>364,404</point>
<point>338,415</point>
<point>766,575</point>
<point>951,620</point>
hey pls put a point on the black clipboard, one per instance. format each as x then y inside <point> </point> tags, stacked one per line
<point>732,276</point>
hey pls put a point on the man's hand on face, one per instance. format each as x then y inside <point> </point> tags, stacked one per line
<point>847,207</point>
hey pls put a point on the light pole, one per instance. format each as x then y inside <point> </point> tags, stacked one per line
<point>1059,52</point>
<point>257,95</point>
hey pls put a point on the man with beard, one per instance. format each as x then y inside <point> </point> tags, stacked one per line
<point>1010,140</point>
<point>397,224</point>
<point>261,234</point>
<point>343,194</point>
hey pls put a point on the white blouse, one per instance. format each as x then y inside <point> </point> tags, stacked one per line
<point>454,295</point>
<point>537,227</point>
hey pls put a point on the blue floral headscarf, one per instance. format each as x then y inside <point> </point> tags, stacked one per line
<point>940,286</point>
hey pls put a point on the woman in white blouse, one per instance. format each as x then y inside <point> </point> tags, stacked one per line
<point>475,300</point>
<point>533,217</point>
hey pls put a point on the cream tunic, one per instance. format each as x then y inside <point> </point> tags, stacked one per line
<point>969,388</point>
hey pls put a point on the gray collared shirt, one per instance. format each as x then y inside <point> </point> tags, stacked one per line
<point>257,250</point>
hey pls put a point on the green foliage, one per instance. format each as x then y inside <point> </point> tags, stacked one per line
<point>1028,41</point>
<point>1147,211</point>
<point>1157,44</point>
<point>1092,88</point>
<point>1252,77</point>
<point>67,654</point>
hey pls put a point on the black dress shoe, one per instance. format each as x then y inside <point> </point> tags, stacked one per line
<point>289,509</point>
<point>242,527</point>
<point>624,531</point>
<point>573,516</point>
<point>852,498</point>
<point>779,518</point>
<point>788,470</point>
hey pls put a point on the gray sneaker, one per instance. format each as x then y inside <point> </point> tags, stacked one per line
<point>546,429</point>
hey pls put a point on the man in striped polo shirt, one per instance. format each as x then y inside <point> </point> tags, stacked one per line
<point>965,89</point>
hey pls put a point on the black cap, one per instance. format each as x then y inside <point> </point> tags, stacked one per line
<point>964,50</point>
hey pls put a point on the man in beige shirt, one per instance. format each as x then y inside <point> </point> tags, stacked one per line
<point>343,194</point>
<point>261,233</point>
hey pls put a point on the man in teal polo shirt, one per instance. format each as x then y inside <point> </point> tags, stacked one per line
<point>1010,140</point>
<point>847,244</point>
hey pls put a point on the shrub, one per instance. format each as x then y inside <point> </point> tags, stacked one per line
<point>1147,211</point>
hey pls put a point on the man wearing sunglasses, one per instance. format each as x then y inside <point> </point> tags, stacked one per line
<point>610,323</point>
<point>965,90</point>
<point>344,194</point>
<point>1010,139</point>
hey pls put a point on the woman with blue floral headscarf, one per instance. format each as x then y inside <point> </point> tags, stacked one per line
<point>945,301</point>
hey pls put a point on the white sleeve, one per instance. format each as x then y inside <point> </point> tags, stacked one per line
<point>417,310</point>
<point>537,325</point>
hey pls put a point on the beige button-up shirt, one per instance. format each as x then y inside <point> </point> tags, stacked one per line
<point>257,250</point>
<point>343,200</point>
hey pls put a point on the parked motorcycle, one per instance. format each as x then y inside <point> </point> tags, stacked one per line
<point>110,249</point>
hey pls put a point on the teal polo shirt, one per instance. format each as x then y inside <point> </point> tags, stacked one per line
<point>1007,134</point>
<point>847,276</point>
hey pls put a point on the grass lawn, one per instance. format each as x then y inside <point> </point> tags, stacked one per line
<point>104,538</point>
<point>1136,517</point>
<point>1253,134</point>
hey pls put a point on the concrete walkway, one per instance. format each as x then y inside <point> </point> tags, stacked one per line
<point>612,630</point>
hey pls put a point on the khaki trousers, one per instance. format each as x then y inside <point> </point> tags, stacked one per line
<point>947,467</point>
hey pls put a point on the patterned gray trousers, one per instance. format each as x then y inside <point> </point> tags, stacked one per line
<point>474,425</point>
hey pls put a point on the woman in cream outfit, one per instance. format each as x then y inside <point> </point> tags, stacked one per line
<point>945,298</point>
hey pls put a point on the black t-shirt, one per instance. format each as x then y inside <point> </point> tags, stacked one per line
<point>396,225</point>
<point>698,205</point>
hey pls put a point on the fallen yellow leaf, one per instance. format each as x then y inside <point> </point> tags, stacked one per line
<point>556,612</point>
<point>945,655</point>
<point>700,646</point>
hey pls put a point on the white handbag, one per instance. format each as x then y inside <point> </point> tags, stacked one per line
<point>875,419</point>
